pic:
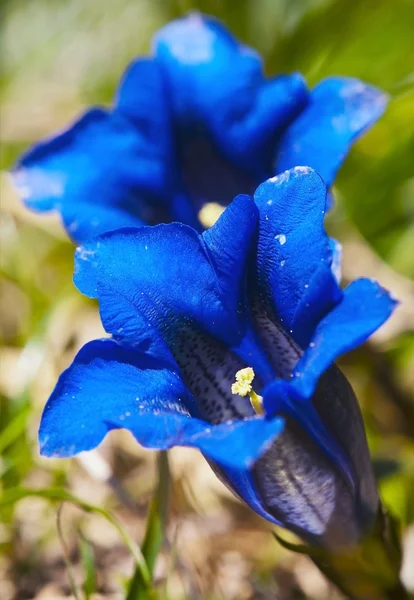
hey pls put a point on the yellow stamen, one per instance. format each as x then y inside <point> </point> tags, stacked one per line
<point>243,387</point>
<point>243,384</point>
<point>209,214</point>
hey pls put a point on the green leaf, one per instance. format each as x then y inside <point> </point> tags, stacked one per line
<point>14,429</point>
<point>57,495</point>
<point>88,562</point>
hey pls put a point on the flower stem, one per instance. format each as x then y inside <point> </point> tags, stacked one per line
<point>368,571</point>
<point>154,535</point>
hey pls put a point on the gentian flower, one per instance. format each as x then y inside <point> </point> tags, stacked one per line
<point>250,306</point>
<point>193,125</point>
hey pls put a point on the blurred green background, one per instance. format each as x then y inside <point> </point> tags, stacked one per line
<point>58,57</point>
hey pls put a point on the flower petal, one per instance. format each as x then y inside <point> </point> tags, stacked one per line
<point>229,241</point>
<point>143,96</point>
<point>340,109</point>
<point>85,220</point>
<point>294,255</point>
<point>108,169</point>
<point>162,275</point>
<point>242,110</point>
<point>236,444</point>
<point>105,386</point>
<point>109,387</point>
<point>365,306</point>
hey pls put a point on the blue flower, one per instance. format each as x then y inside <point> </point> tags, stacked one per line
<point>195,123</point>
<point>189,313</point>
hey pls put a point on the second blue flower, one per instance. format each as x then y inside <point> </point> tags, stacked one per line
<point>194,124</point>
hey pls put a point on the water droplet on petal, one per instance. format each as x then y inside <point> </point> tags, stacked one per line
<point>281,238</point>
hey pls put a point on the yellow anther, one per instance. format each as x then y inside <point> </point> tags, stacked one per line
<point>243,387</point>
<point>243,384</point>
<point>209,214</point>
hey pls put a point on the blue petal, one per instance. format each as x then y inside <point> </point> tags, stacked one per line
<point>106,386</point>
<point>107,169</point>
<point>109,387</point>
<point>241,483</point>
<point>143,96</point>
<point>294,255</point>
<point>164,275</point>
<point>229,241</point>
<point>284,397</point>
<point>85,220</point>
<point>340,109</point>
<point>219,83</point>
<point>365,306</point>
<point>236,444</point>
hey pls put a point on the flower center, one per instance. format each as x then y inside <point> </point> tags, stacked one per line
<point>209,213</point>
<point>243,387</point>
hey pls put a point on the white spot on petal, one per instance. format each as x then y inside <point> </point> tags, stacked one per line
<point>281,238</point>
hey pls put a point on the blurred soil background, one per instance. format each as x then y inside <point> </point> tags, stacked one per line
<point>57,58</point>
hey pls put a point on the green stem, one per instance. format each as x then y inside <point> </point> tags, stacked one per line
<point>154,535</point>
<point>369,571</point>
<point>66,554</point>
